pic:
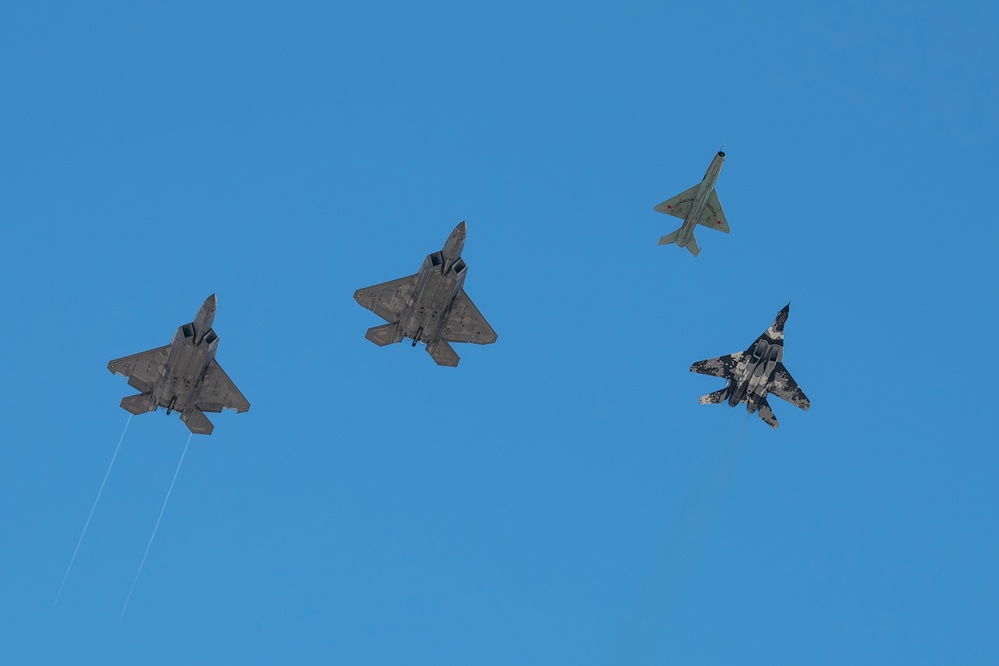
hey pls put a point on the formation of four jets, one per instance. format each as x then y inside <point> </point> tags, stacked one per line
<point>432,307</point>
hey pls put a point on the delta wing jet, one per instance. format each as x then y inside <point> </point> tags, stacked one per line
<point>429,307</point>
<point>183,376</point>
<point>698,205</point>
<point>754,373</point>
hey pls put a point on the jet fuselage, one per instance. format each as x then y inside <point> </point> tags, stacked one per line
<point>191,352</point>
<point>440,279</point>
<point>700,199</point>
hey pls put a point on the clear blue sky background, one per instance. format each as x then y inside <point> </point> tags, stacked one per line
<point>560,497</point>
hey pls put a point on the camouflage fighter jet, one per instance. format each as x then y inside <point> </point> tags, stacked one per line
<point>698,205</point>
<point>754,373</point>
<point>183,376</point>
<point>429,307</point>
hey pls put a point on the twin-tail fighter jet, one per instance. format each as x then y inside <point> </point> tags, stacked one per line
<point>698,205</point>
<point>754,373</point>
<point>429,307</point>
<point>183,376</point>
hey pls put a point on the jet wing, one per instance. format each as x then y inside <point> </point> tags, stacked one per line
<point>142,369</point>
<point>713,216</point>
<point>388,300</point>
<point>679,205</point>
<point>218,392</point>
<point>723,366</point>
<point>784,387</point>
<point>466,324</point>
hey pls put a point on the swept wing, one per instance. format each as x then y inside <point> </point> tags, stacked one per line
<point>466,324</point>
<point>142,369</point>
<point>723,366</point>
<point>388,300</point>
<point>784,387</point>
<point>713,216</point>
<point>679,205</point>
<point>218,392</point>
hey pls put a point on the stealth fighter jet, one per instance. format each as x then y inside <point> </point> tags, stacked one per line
<point>183,376</point>
<point>754,373</point>
<point>429,307</point>
<point>698,205</point>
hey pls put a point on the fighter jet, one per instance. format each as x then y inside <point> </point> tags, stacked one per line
<point>754,373</point>
<point>183,376</point>
<point>698,205</point>
<point>429,307</point>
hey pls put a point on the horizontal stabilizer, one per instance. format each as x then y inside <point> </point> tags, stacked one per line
<point>385,334</point>
<point>669,238</point>
<point>714,398</point>
<point>443,353</point>
<point>767,414</point>
<point>139,404</point>
<point>196,421</point>
<point>692,246</point>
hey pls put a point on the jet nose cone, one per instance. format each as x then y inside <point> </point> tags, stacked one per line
<point>721,153</point>
<point>211,302</point>
<point>462,228</point>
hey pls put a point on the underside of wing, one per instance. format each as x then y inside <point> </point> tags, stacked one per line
<point>679,205</point>
<point>784,387</point>
<point>388,300</point>
<point>723,366</point>
<point>142,369</point>
<point>713,215</point>
<point>218,392</point>
<point>466,324</point>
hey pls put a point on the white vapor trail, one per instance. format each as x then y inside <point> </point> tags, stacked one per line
<point>153,536</point>
<point>87,524</point>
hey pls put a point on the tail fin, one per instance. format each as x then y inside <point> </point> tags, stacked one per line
<point>385,334</point>
<point>714,398</point>
<point>196,421</point>
<point>139,404</point>
<point>669,238</point>
<point>767,414</point>
<point>692,246</point>
<point>443,353</point>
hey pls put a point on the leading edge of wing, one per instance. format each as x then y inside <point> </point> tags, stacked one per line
<point>679,205</point>
<point>713,216</point>
<point>142,369</point>
<point>722,366</point>
<point>389,299</point>
<point>218,392</point>
<point>784,387</point>
<point>466,324</point>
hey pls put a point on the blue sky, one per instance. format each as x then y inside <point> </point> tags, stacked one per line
<point>560,497</point>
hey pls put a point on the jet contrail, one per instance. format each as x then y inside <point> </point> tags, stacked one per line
<point>153,536</point>
<point>87,524</point>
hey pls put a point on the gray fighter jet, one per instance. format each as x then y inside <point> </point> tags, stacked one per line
<point>698,205</point>
<point>183,376</point>
<point>430,306</point>
<point>754,373</point>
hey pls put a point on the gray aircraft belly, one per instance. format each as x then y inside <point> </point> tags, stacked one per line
<point>430,307</point>
<point>426,317</point>
<point>187,370</point>
<point>182,376</point>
